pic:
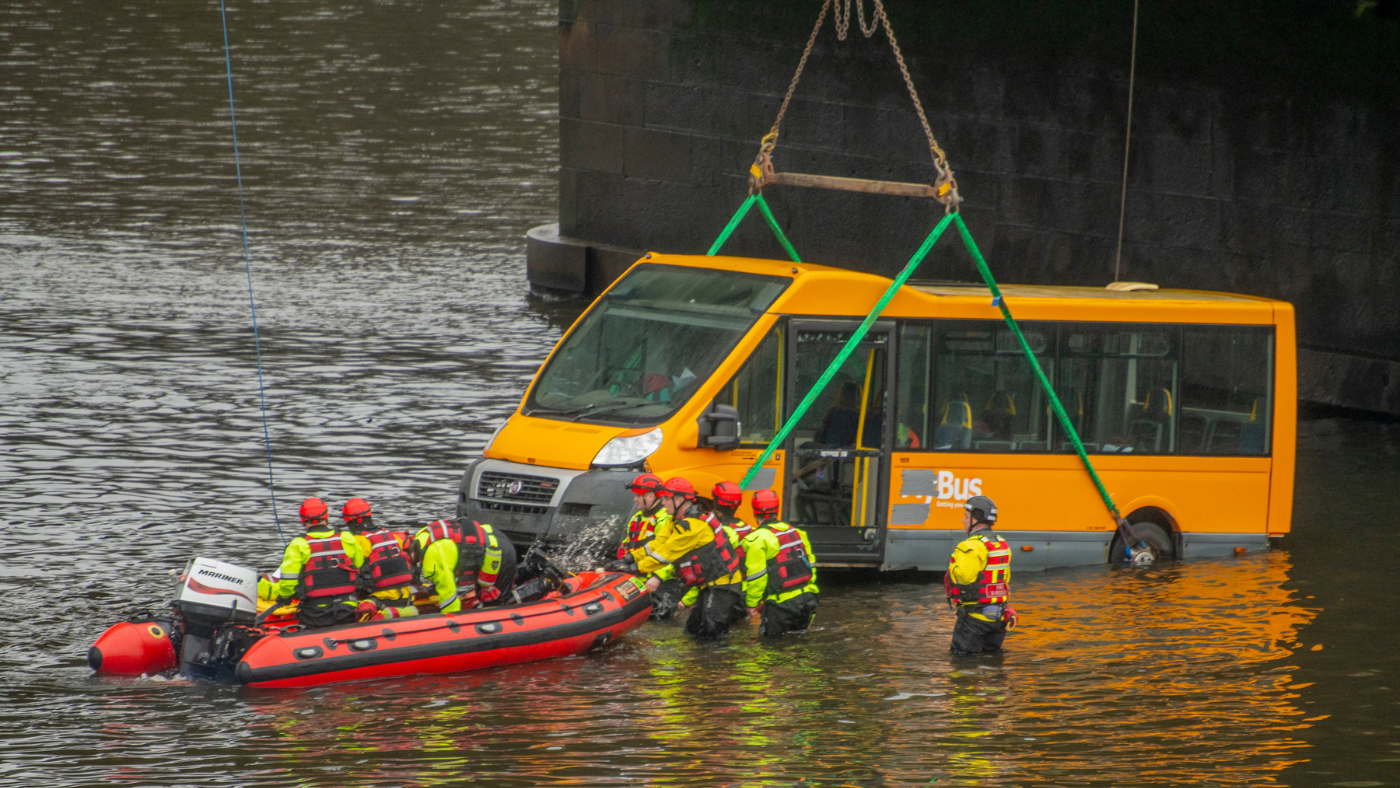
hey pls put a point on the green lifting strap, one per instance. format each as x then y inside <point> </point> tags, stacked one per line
<point>756,197</point>
<point>1035,365</point>
<point>874,315</point>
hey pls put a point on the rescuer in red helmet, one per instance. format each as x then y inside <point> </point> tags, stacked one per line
<point>701,557</point>
<point>979,581</point>
<point>321,569</point>
<point>780,571</point>
<point>720,514</point>
<point>649,516</point>
<point>386,577</point>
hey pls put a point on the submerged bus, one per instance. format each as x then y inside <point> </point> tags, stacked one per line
<point>689,365</point>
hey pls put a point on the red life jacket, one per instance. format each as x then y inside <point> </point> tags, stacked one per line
<point>641,529</point>
<point>329,572</point>
<point>993,584</point>
<point>791,566</point>
<point>711,561</point>
<point>471,548</point>
<point>387,566</point>
<point>742,530</point>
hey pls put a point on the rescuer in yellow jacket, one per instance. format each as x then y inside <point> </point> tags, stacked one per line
<point>641,529</point>
<point>467,562</point>
<point>701,557</point>
<point>321,570</point>
<point>780,571</point>
<point>386,576</point>
<point>979,581</point>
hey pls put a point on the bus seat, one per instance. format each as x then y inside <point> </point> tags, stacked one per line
<point>1000,414</point>
<point>1150,425</point>
<point>995,446</point>
<point>1253,434</point>
<point>954,430</point>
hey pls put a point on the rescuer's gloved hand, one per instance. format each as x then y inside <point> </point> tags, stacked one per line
<point>489,594</point>
<point>625,565</point>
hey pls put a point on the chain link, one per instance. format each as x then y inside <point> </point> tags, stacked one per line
<point>842,18</point>
<point>762,170</point>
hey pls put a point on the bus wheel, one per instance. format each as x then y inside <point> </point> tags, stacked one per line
<point>1158,546</point>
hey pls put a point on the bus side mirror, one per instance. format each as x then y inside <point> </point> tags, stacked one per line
<point>719,427</point>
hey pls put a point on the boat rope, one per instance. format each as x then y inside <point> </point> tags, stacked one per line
<point>248,268</point>
<point>761,173</point>
<point>1127,140</point>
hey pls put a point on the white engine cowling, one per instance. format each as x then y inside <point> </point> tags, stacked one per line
<point>214,592</point>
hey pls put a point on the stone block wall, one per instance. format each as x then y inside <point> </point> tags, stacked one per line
<point>1264,156</point>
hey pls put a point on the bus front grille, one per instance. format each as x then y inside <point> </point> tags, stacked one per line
<point>516,488</point>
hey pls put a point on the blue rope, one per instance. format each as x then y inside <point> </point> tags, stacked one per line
<point>248,266</point>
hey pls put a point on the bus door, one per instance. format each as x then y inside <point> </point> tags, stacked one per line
<point>838,454</point>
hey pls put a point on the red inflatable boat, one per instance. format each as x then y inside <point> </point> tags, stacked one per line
<point>214,641</point>
<point>603,608</point>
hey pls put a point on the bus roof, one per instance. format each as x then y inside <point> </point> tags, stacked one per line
<point>820,291</point>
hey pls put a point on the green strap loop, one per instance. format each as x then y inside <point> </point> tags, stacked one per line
<point>756,197</point>
<point>874,315</point>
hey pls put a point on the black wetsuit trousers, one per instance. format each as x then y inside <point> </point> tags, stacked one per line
<point>665,598</point>
<point>713,613</point>
<point>792,615</point>
<point>973,636</point>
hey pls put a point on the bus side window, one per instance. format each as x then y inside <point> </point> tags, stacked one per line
<point>756,391</point>
<point>986,398</point>
<point>1226,391</point>
<point>912,414</point>
<point>1119,386</point>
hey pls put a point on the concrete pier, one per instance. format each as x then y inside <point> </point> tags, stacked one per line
<point>1263,157</point>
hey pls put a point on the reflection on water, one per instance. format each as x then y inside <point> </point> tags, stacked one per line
<point>396,152</point>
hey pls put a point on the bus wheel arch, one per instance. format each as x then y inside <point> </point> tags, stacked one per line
<point>1158,529</point>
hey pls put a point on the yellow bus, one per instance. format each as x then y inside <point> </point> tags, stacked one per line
<point>688,366</point>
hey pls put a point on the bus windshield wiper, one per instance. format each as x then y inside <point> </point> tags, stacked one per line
<point>613,409</point>
<point>572,411</point>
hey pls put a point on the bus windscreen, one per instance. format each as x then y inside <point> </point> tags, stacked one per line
<point>649,342</point>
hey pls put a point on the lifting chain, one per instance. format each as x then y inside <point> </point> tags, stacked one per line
<point>761,172</point>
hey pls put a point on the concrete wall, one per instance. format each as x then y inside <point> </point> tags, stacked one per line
<point>1264,154</point>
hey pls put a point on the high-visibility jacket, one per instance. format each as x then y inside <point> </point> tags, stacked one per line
<point>692,548</point>
<point>337,560</point>
<point>979,572</point>
<point>458,558</point>
<point>641,529</point>
<point>387,571</point>
<point>777,550</point>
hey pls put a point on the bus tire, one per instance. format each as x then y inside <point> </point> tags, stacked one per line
<point>1160,547</point>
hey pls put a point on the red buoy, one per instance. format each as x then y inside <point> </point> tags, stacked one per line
<point>133,648</point>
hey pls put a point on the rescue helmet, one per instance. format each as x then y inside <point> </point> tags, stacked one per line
<point>728,494</point>
<point>765,503</point>
<point>647,482</point>
<point>313,510</point>
<point>355,509</point>
<point>982,509</point>
<point>677,485</point>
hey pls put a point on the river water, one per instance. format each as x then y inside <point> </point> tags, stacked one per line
<point>394,155</point>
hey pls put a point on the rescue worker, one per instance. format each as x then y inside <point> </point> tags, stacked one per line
<point>386,577</point>
<point>701,557</point>
<point>979,580</point>
<point>720,515</point>
<point>780,572</point>
<point>468,563</point>
<point>641,529</point>
<point>321,569</point>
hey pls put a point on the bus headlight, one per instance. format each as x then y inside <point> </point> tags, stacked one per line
<point>629,449</point>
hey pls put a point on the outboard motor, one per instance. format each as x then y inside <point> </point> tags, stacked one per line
<point>213,595</point>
